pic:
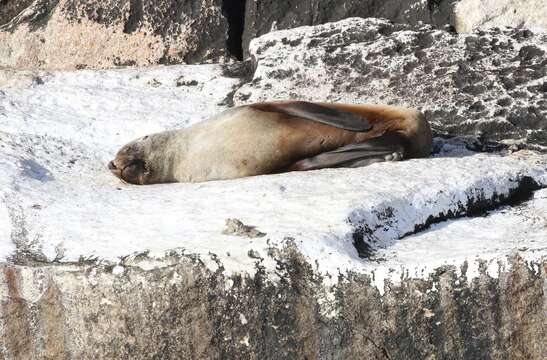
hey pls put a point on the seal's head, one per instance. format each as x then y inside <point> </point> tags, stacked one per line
<point>143,161</point>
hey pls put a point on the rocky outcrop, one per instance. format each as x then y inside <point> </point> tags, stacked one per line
<point>262,16</point>
<point>490,83</point>
<point>464,15</point>
<point>104,33</point>
<point>179,309</point>
<point>286,280</point>
<point>264,267</point>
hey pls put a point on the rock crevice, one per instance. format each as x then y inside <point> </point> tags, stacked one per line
<point>234,11</point>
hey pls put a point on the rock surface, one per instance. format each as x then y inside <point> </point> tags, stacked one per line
<point>58,130</point>
<point>471,14</point>
<point>93,268</point>
<point>63,34</point>
<point>181,310</point>
<point>464,15</point>
<point>490,83</point>
<point>262,16</point>
<point>442,257</point>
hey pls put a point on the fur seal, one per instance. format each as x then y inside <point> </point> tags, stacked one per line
<point>274,137</point>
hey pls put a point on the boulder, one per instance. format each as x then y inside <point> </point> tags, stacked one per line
<point>489,83</point>
<point>63,34</point>
<point>55,34</point>
<point>263,16</point>
<point>443,257</point>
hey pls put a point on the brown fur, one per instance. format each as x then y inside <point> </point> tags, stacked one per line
<point>258,139</point>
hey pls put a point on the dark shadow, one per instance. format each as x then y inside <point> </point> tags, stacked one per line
<point>475,206</point>
<point>445,145</point>
<point>234,11</point>
<point>136,13</point>
<point>32,169</point>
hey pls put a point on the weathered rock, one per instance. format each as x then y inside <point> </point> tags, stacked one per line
<point>491,82</point>
<point>236,227</point>
<point>464,15</point>
<point>262,16</point>
<point>178,309</point>
<point>104,33</point>
<point>95,269</point>
<point>471,14</point>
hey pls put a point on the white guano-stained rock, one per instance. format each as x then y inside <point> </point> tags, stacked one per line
<point>59,132</point>
<point>93,268</point>
<point>261,16</point>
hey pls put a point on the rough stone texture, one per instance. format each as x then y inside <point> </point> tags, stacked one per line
<point>470,14</point>
<point>464,15</point>
<point>491,82</point>
<point>181,310</point>
<point>104,33</point>
<point>264,15</point>
<point>177,308</point>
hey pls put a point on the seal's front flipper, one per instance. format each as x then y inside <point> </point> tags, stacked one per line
<point>316,112</point>
<point>388,147</point>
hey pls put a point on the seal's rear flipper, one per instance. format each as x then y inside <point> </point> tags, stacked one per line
<point>388,147</point>
<point>316,112</point>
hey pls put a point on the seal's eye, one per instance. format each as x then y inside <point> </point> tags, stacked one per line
<point>146,137</point>
<point>133,172</point>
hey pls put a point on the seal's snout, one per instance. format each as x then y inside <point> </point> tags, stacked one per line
<point>133,171</point>
<point>117,171</point>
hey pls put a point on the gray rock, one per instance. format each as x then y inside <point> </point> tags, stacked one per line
<point>464,15</point>
<point>104,33</point>
<point>490,83</point>
<point>178,309</point>
<point>41,33</point>
<point>236,227</point>
<point>262,16</point>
